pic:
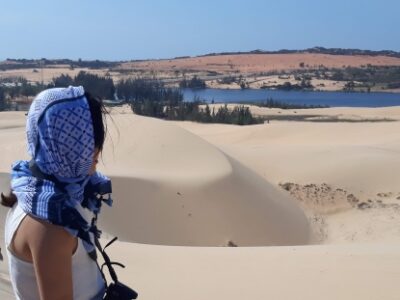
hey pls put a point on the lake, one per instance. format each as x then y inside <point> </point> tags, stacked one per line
<point>333,99</point>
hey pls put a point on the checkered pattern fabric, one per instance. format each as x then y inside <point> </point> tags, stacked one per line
<point>60,133</point>
<point>61,143</point>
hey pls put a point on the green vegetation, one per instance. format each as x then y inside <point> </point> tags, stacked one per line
<point>357,79</point>
<point>152,98</point>
<point>349,86</point>
<point>13,88</point>
<point>148,97</point>
<point>240,115</point>
<point>366,78</point>
<point>393,85</point>
<point>99,86</point>
<point>287,86</point>
<point>243,83</point>
<point>3,103</point>
<point>18,87</point>
<point>323,119</point>
<point>270,103</point>
<point>16,64</point>
<point>321,50</point>
<point>227,80</point>
<point>369,73</point>
<point>145,97</point>
<point>200,112</point>
<point>62,81</point>
<point>194,83</point>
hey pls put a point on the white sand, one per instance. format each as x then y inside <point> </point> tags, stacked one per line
<point>181,183</point>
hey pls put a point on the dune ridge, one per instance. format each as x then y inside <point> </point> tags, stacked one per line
<point>187,192</point>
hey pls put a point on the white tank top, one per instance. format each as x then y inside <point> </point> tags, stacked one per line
<point>87,280</point>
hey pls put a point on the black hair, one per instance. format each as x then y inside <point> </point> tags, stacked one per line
<point>98,112</point>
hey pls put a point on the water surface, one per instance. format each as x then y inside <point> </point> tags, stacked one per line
<point>332,99</point>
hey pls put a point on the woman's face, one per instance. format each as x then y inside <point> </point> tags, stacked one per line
<point>95,161</point>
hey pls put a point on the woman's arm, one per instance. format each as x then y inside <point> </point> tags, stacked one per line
<point>51,248</point>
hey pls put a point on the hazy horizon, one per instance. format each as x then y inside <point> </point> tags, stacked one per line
<point>136,30</point>
<point>197,55</point>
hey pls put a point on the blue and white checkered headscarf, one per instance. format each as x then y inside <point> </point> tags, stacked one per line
<point>61,143</point>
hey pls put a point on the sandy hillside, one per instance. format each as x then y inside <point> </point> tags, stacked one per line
<point>181,183</point>
<point>257,82</point>
<point>214,67</point>
<point>256,63</point>
<point>341,170</point>
<point>195,194</point>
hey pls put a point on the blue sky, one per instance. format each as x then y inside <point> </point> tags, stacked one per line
<point>139,29</point>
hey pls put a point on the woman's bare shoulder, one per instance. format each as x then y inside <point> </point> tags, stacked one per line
<point>35,236</point>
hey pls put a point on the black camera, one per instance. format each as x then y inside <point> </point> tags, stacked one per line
<point>104,188</point>
<point>118,290</point>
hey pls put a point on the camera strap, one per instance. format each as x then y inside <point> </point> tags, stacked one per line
<point>107,261</point>
<point>116,289</point>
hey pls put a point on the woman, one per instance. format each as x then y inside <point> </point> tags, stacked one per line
<point>48,232</point>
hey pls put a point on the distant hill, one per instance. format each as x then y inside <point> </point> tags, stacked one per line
<point>12,64</point>
<point>319,50</point>
<point>319,68</point>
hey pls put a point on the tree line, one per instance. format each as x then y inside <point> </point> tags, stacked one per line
<point>16,87</point>
<point>100,86</point>
<point>145,97</point>
<point>3,104</point>
<point>15,64</point>
<point>317,50</point>
<point>19,87</point>
<point>194,83</point>
<point>152,98</point>
<point>271,103</point>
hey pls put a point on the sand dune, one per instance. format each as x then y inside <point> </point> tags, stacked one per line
<point>185,191</point>
<point>355,156</point>
<point>239,209</point>
<point>187,184</point>
<point>353,160</point>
